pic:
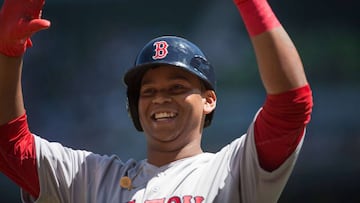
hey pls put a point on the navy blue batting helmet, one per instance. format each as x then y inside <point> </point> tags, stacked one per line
<point>167,50</point>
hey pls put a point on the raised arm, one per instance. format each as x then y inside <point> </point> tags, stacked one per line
<point>280,125</point>
<point>279,63</point>
<point>19,19</point>
<point>11,102</point>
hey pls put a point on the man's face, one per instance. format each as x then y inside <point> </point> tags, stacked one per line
<point>171,106</point>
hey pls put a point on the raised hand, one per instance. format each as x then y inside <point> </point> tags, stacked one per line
<point>19,20</point>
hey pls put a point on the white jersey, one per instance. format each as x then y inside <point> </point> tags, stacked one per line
<point>231,175</point>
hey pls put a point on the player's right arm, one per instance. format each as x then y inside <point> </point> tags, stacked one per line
<point>11,102</point>
<point>19,19</point>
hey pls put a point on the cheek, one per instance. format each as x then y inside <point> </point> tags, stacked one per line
<point>141,107</point>
<point>195,102</point>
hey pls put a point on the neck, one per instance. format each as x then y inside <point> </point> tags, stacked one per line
<point>161,157</point>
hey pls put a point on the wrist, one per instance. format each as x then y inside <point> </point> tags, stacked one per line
<point>16,48</point>
<point>257,15</point>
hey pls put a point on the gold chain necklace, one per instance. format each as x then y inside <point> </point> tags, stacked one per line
<point>126,182</point>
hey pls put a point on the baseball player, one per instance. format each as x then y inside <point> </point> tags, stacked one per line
<point>171,92</point>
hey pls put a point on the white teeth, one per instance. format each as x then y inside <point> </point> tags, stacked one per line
<point>163,115</point>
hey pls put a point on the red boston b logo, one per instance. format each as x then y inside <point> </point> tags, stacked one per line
<point>160,49</point>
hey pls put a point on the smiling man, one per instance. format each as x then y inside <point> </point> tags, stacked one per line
<point>171,92</point>
<point>172,105</point>
<point>170,97</point>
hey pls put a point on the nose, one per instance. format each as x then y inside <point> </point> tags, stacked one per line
<point>161,97</point>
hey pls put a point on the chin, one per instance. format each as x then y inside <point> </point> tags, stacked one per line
<point>163,135</point>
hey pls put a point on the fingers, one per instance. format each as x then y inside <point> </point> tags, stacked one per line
<point>35,7</point>
<point>23,8</point>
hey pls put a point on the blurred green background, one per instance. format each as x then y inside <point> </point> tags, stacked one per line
<point>74,92</point>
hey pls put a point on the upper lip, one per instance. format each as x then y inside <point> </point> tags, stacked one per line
<point>163,111</point>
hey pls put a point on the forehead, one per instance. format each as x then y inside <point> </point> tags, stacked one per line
<point>167,72</point>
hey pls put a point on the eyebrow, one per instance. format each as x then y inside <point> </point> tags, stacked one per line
<point>172,77</point>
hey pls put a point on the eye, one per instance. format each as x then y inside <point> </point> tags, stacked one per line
<point>177,89</point>
<point>147,92</point>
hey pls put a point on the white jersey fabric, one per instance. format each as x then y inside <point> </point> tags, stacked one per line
<point>231,175</point>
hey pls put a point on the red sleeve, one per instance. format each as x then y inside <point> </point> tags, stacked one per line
<point>280,126</point>
<point>18,155</point>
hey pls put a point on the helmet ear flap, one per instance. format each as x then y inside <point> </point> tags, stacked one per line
<point>132,107</point>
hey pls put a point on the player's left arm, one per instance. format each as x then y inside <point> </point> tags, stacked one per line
<point>280,125</point>
<point>279,63</point>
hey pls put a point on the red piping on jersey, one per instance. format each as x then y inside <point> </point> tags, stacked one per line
<point>280,126</point>
<point>18,155</point>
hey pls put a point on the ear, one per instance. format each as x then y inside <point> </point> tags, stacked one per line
<point>210,101</point>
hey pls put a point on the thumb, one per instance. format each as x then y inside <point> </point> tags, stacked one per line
<point>32,27</point>
<point>36,25</point>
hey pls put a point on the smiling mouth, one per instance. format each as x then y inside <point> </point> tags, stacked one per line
<point>164,116</point>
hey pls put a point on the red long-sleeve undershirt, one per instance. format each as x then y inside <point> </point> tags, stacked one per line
<point>18,155</point>
<point>278,129</point>
<point>280,126</point>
